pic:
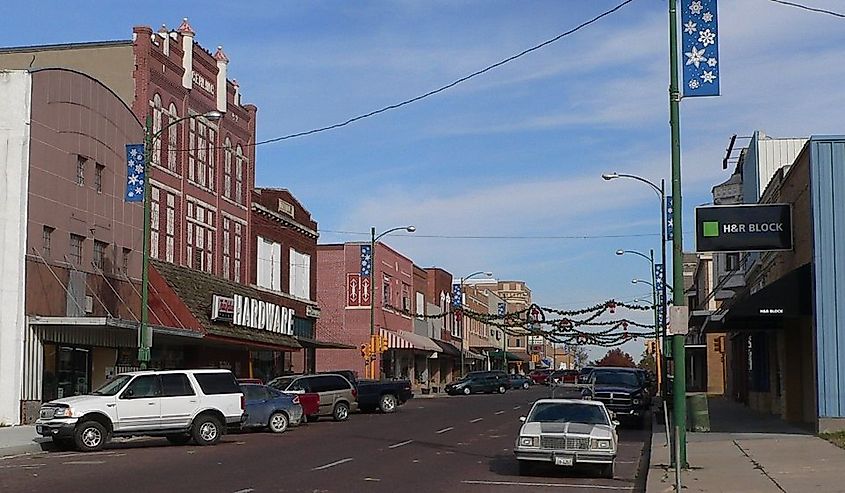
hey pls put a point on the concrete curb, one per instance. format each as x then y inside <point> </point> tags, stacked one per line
<point>24,449</point>
<point>429,396</point>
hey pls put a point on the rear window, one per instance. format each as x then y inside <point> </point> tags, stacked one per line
<point>175,385</point>
<point>328,383</point>
<point>217,383</point>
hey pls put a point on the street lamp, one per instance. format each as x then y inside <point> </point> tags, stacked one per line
<point>373,240</point>
<point>146,341</point>
<point>463,336</point>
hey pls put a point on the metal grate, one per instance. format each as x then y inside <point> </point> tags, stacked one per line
<point>564,443</point>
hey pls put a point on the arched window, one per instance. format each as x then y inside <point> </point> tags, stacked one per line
<point>157,125</point>
<point>227,168</point>
<point>240,164</point>
<point>172,138</point>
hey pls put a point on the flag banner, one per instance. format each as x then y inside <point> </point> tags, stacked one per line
<point>353,290</point>
<point>365,291</point>
<point>670,223</point>
<point>501,309</point>
<point>457,297</point>
<point>366,260</point>
<point>135,173</point>
<point>659,274</point>
<point>700,46</point>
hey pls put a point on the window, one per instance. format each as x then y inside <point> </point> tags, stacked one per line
<point>98,178</point>
<point>385,291</point>
<point>125,267</point>
<point>217,383</point>
<point>175,385</point>
<point>420,308</point>
<point>80,170</point>
<point>240,162</point>
<point>199,238</point>
<point>238,245</point>
<point>170,227</point>
<point>202,152</point>
<point>227,249</point>
<point>732,261</point>
<point>254,393</point>
<point>172,138</point>
<point>406,297</point>
<point>141,387</point>
<point>269,265</point>
<point>300,274</point>
<point>76,242</point>
<point>46,241</point>
<point>100,254</point>
<point>155,210</point>
<point>158,115</point>
<point>227,168</point>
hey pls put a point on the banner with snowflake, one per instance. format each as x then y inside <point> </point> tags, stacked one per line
<point>700,46</point>
<point>135,173</point>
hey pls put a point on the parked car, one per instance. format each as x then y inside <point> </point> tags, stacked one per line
<point>584,374</point>
<point>559,377</point>
<point>501,376</point>
<point>622,391</point>
<point>268,408</point>
<point>180,405</point>
<point>518,381</point>
<point>338,397</point>
<point>540,376</point>
<point>384,395</point>
<point>569,433</point>
<point>473,384</point>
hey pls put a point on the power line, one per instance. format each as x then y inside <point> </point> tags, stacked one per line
<point>500,237</point>
<point>811,9</point>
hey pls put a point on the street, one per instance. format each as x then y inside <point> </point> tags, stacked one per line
<point>445,444</point>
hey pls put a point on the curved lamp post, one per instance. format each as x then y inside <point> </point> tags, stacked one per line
<point>463,336</point>
<point>145,341</point>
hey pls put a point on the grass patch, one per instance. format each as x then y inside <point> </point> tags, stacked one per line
<point>837,438</point>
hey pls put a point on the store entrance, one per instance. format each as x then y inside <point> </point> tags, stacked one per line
<point>73,371</point>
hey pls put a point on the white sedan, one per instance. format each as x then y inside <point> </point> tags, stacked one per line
<point>567,432</point>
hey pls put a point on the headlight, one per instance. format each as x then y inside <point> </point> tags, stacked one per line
<point>528,441</point>
<point>637,402</point>
<point>601,444</point>
<point>63,412</point>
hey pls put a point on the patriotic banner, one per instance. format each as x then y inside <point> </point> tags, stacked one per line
<point>457,298</point>
<point>700,46</point>
<point>659,273</point>
<point>366,260</point>
<point>501,309</point>
<point>135,173</point>
<point>353,290</point>
<point>670,223</point>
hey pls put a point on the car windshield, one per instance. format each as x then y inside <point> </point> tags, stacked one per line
<point>113,386</point>
<point>552,412</point>
<point>625,378</point>
<point>281,383</point>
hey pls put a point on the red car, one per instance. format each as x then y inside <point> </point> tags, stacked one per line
<point>310,403</point>
<point>564,376</point>
<point>540,377</point>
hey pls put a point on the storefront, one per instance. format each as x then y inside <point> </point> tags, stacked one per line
<point>413,357</point>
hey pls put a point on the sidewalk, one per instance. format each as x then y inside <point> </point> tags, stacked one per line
<point>16,440</point>
<point>748,452</point>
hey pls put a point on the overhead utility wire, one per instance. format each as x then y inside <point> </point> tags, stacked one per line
<point>811,9</point>
<point>499,237</point>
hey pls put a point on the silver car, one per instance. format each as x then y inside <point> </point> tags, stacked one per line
<point>567,432</point>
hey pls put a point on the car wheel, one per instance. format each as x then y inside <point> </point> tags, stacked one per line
<point>179,439</point>
<point>278,422</point>
<point>387,404</point>
<point>467,391</point>
<point>606,471</point>
<point>525,467</point>
<point>63,444</point>
<point>502,389</point>
<point>90,436</point>
<point>206,430</point>
<point>341,411</point>
<point>525,385</point>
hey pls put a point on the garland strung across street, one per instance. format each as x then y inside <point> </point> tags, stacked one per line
<point>561,326</point>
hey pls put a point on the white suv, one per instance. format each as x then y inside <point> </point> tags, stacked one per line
<point>180,405</point>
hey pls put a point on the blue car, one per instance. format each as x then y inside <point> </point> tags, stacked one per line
<point>268,408</point>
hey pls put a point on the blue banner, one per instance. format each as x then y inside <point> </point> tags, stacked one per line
<point>457,298</point>
<point>135,173</point>
<point>366,260</point>
<point>501,309</point>
<point>700,46</point>
<point>670,223</point>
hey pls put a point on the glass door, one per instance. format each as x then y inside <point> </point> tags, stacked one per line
<point>73,371</point>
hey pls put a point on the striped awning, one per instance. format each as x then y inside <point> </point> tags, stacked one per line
<point>409,340</point>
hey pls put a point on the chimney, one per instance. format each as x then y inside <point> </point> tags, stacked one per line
<point>163,33</point>
<point>222,71</point>
<point>187,33</point>
<point>237,98</point>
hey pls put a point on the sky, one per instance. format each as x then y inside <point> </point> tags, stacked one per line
<point>518,151</point>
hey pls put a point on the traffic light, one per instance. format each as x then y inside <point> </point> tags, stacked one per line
<point>365,351</point>
<point>384,347</point>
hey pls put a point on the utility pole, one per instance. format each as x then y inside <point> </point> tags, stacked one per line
<point>679,387</point>
<point>144,335</point>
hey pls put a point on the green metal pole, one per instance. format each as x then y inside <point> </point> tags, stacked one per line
<point>679,387</point>
<point>372,294</point>
<point>654,307</point>
<point>144,336</point>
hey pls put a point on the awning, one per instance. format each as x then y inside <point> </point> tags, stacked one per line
<point>509,355</point>
<point>448,349</point>
<point>307,342</point>
<point>786,298</point>
<point>409,340</point>
<point>473,355</point>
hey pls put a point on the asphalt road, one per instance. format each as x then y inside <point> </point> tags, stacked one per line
<point>455,444</point>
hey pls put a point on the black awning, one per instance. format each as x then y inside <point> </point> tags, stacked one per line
<point>787,298</point>
<point>448,349</point>
<point>314,343</point>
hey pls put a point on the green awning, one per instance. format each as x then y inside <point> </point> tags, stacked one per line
<point>497,354</point>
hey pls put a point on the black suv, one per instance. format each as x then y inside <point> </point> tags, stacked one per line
<point>622,390</point>
<point>476,382</point>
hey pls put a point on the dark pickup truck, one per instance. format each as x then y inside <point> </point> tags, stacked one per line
<point>622,391</point>
<point>382,395</point>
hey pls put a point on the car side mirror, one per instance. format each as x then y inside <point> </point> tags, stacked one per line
<point>129,393</point>
<point>522,419</point>
<point>615,423</point>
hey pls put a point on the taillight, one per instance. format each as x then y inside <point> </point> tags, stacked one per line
<point>243,402</point>
<point>355,393</point>
<point>296,399</point>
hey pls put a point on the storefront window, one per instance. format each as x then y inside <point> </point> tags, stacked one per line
<point>72,371</point>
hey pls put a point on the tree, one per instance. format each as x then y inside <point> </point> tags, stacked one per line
<point>647,362</point>
<point>616,357</point>
<point>579,355</point>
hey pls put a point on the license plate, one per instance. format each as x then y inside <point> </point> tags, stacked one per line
<point>38,429</point>
<point>564,460</point>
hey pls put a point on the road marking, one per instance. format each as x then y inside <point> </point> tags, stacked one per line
<point>476,420</point>
<point>12,466</point>
<point>332,464</point>
<point>499,412</point>
<point>397,445</point>
<point>372,479</point>
<point>547,485</point>
<point>84,462</point>
<point>516,407</point>
<point>444,430</point>
<point>245,490</point>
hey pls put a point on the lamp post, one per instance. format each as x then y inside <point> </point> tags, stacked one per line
<point>373,240</point>
<point>661,194</point>
<point>650,259</point>
<point>145,336</point>
<point>461,326</point>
